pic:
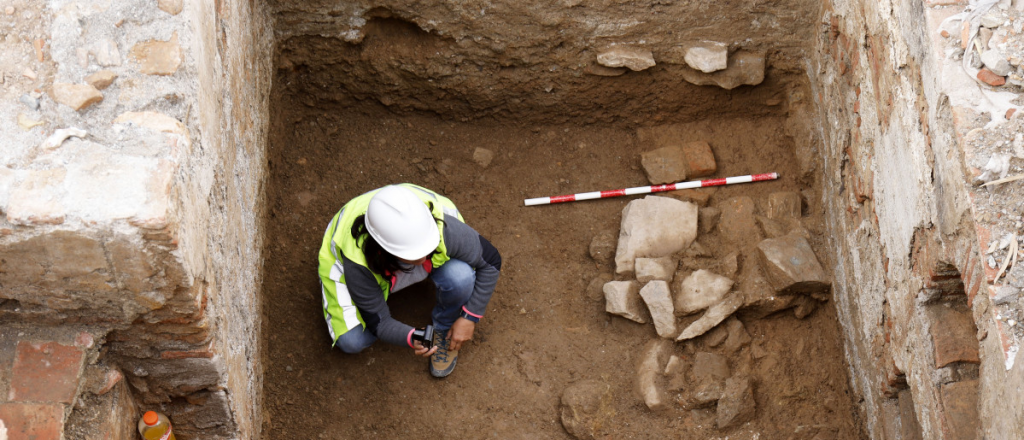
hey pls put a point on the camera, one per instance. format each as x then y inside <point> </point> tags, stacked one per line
<point>425,335</point>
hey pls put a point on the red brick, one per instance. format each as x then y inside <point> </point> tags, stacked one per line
<point>700,159</point>
<point>960,410</point>
<point>45,372</point>
<point>953,335</point>
<point>986,76</point>
<point>29,421</point>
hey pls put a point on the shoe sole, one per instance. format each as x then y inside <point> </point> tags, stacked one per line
<point>443,373</point>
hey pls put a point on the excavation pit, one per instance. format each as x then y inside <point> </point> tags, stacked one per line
<point>340,129</point>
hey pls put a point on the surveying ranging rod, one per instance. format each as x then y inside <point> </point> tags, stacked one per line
<point>651,189</point>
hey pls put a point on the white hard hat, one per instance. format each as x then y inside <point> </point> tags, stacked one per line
<point>401,223</point>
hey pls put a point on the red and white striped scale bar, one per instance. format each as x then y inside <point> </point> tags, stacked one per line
<point>651,189</point>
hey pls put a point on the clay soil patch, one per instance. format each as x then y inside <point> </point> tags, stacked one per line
<point>541,332</point>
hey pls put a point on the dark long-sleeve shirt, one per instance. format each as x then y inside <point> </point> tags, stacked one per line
<point>463,243</point>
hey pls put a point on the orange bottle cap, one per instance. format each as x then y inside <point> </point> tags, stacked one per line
<point>150,418</point>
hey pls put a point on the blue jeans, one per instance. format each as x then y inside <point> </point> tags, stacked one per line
<point>454,282</point>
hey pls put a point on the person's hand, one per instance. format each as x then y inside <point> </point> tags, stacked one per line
<point>461,331</point>
<point>421,350</point>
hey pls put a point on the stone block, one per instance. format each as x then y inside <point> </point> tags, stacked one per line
<point>659,302</point>
<point>707,56</point>
<point>623,298</point>
<point>158,57</point>
<point>714,316</point>
<point>744,68</point>
<point>791,266</point>
<point>701,290</point>
<point>737,403</point>
<point>633,58</point>
<point>57,366</point>
<point>774,228</point>
<point>785,205</point>
<point>960,410</point>
<point>700,160</point>
<point>664,165</point>
<point>651,365</point>
<point>586,407</point>
<point>654,227</point>
<point>737,224</point>
<point>650,269</point>
<point>33,421</point>
<point>76,96</point>
<point>37,200</point>
<point>953,336</point>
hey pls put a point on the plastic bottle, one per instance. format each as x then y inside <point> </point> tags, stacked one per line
<point>155,426</point>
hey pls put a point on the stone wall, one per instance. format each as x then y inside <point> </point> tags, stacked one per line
<point>131,190</point>
<point>913,286</point>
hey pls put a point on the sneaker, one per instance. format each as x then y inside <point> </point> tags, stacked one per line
<point>442,362</point>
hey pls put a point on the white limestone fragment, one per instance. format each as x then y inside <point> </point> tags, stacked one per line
<point>623,298</point>
<point>659,302</point>
<point>625,56</point>
<point>701,290</point>
<point>59,136</point>
<point>649,370</point>
<point>714,316</point>
<point>650,269</point>
<point>654,227</point>
<point>996,62</point>
<point>708,56</point>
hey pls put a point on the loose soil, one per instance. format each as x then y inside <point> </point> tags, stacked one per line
<point>541,331</point>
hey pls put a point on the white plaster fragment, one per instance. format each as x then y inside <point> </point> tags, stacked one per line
<point>58,137</point>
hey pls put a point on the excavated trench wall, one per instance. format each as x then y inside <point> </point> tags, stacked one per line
<point>858,81</point>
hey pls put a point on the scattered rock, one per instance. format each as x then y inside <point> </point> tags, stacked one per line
<point>153,121</point>
<point>714,316</point>
<point>483,157</point>
<point>29,73</point>
<point>992,20</point>
<point>729,265</point>
<point>26,123</point>
<point>602,246</point>
<point>986,76</point>
<point>737,403</point>
<point>105,52</point>
<point>650,269</point>
<point>707,56</point>
<point>595,291</point>
<point>101,79</point>
<point>158,57</point>
<point>655,355</point>
<point>791,266</point>
<point>664,165</point>
<point>996,62</point>
<point>58,137</point>
<point>635,59</point>
<point>709,367</point>
<point>76,96</point>
<point>586,408</point>
<point>785,205</point>
<point>700,197</point>
<point>804,306</point>
<point>737,223</point>
<point>623,298</point>
<point>709,219</point>
<point>659,302</point>
<point>172,7</point>
<point>675,370</point>
<point>701,290</point>
<point>744,68</point>
<point>700,160</point>
<point>9,10</point>
<point>1005,295</point>
<point>760,299</point>
<point>696,250</point>
<point>773,228</point>
<point>757,351</point>
<point>738,336</point>
<point>716,336</point>
<point>599,70</point>
<point>654,227</point>
<point>29,101</point>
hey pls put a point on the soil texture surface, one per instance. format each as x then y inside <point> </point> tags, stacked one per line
<point>543,331</point>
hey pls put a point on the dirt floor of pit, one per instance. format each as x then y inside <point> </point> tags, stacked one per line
<point>541,332</point>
